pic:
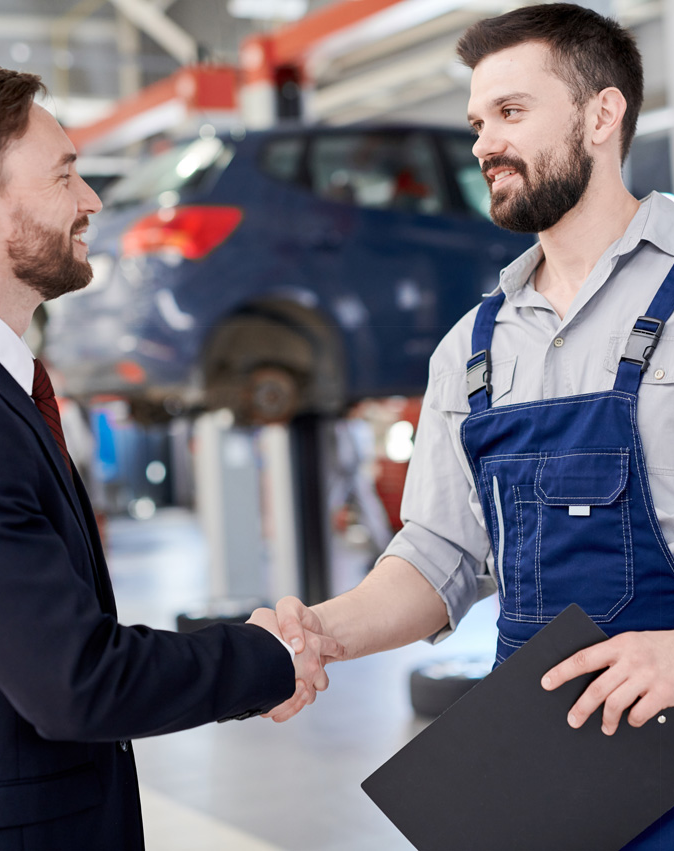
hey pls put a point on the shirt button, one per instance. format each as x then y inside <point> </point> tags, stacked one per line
<point>659,373</point>
<point>124,746</point>
<point>559,342</point>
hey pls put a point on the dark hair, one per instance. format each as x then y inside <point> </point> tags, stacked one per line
<point>588,52</point>
<point>17,91</point>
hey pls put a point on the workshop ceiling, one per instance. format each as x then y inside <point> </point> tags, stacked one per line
<point>93,52</point>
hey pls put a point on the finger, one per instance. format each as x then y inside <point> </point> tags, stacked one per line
<point>287,714</point>
<point>645,709</point>
<point>590,659</point>
<point>312,663</point>
<point>285,711</point>
<point>321,682</point>
<point>616,703</point>
<point>594,695</point>
<point>330,647</point>
<point>291,706</point>
<point>290,611</point>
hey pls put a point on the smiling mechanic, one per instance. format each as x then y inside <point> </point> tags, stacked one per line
<point>544,464</point>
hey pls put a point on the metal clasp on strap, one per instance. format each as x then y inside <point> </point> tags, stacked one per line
<point>641,342</point>
<point>479,372</point>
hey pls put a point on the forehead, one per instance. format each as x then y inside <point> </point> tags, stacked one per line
<point>524,69</point>
<point>43,145</point>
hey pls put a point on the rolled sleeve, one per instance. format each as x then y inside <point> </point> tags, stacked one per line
<point>443,535</point>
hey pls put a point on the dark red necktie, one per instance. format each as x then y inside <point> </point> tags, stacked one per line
<point>45,401</point>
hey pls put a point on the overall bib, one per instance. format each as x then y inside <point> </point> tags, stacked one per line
<point>568,508</point>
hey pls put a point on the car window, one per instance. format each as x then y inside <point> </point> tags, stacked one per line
<point>459,152</point>
<point>281,157</point>
<point>394,171</point>
<point>169,173</point>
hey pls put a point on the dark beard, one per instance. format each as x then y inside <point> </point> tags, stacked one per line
<point>43,260</point>
<point>554,188</point>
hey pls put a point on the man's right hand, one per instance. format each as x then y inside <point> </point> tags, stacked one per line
<point>302,629</point>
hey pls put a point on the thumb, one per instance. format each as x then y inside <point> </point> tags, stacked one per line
<point>291,613</point>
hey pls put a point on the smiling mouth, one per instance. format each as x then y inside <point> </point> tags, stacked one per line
<point>502,174</point>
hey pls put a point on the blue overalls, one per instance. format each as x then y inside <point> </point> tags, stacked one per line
<point>566,499</point>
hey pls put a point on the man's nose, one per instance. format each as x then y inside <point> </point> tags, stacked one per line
<point>488,144</point>
<point>89,202</point>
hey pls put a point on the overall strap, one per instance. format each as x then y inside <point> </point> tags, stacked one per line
<point>644,338</point>
<point>479,363</point>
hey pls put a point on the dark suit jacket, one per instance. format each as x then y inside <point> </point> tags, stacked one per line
<point>75,685</point>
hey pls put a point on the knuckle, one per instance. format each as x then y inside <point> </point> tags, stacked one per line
<point>580,659</point>
<point>613,706</point>
<point>595,690</point>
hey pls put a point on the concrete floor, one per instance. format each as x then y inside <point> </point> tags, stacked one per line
<point>256,785</point>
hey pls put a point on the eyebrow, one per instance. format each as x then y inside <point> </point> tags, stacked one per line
<point>66,159</point>
<point>497,102</point>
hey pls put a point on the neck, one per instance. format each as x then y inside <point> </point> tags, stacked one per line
<point>574,245</point>
<point>18,303</point>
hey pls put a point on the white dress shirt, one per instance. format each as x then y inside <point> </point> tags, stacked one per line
<point>16,357</point>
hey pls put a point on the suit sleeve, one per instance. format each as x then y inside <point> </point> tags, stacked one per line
<point>72,670</point>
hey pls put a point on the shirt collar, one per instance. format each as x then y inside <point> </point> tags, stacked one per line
<point>16,357</point>
<point>653,222</point>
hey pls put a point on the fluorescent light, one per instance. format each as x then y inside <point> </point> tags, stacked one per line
<point>268,10</point>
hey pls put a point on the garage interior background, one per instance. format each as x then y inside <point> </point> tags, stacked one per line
<point>123,74</point>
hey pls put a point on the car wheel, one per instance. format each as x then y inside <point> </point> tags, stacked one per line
<point>433,688</point>
<point>272,395</point>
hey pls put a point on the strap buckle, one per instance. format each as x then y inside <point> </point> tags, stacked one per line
<point>641,342</point>
<point>479,372</point>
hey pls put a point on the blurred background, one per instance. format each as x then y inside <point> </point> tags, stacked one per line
<point>292,221</point>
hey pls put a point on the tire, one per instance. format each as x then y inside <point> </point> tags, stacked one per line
<point>435,687</point>
<point>272,361</point>
<point>272,395</point>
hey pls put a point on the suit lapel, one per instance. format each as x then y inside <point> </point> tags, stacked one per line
<point>19,401</point>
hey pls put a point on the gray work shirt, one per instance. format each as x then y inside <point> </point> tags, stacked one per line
<point>536,355</point>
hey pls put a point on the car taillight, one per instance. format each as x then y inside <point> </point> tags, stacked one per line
<point>192,232</point>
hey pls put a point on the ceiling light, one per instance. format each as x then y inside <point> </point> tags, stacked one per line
<point>268,10</point>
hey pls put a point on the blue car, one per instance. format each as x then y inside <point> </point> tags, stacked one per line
<point>280,272</point>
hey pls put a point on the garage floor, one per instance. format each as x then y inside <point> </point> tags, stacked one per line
<point>255,785</point>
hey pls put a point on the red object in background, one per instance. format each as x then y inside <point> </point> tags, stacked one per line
<point>191,231</point>
<point>390,475</point>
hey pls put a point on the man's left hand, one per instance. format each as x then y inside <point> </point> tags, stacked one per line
<point>639,674</point>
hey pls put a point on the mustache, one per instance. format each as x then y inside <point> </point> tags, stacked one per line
<point>503,162</point>
<point>82,222</point>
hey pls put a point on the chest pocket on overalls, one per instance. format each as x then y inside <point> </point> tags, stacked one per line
<point>561,531</point>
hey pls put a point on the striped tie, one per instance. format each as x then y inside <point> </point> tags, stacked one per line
<point>45,401</point>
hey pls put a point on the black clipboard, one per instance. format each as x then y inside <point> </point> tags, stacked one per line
<point>501,770</point>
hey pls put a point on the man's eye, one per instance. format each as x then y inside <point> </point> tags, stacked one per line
<point>511,110</point>
<point>476,128</point>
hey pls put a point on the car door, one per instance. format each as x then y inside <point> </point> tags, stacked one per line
<point>400,252</point>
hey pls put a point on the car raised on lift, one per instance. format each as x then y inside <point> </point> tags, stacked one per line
<point>279,272</point>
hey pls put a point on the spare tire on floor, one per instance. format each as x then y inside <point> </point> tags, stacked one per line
<point>436,686</point>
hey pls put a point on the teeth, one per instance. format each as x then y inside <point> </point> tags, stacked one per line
<point>502,174</point>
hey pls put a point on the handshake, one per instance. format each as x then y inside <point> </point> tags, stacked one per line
<point>301,628</point>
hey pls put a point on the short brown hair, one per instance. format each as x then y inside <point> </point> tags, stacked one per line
<point>589,53</point>
<point>17,92</point>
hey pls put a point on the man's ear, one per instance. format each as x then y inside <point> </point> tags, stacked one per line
<point>606,111</point>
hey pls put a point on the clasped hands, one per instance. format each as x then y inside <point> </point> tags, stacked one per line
<point>301,628</point>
